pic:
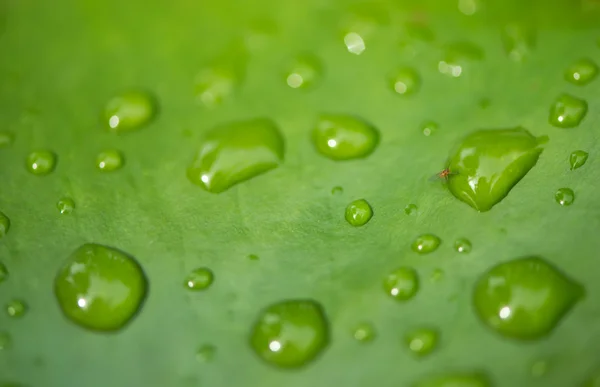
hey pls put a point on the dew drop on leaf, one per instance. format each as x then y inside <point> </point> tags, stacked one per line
<point>206,353</point>
<point>457,56</point>
<point>426,243</point>
<point>567,111</point>
<point>129,111</point>
<point>462,245</point>
<point>577,159</point>
<point>429,127</point>
<point>199,279</point>
<point>405,81</point>
<point>305,71</point>
<point>581,72</point>
<point>564,196</point>
<point>421,341</point>
<point>16,308</point>
<point>337,190</point>
<point>518,40</point>
<point>473,379</point>
<point>364,332</point>
<point>411,209</point>
<point>41,162</point>
<point>4,224</point>
<point>344,137</point>
<point>401,284</point>
<point>358,213</point>
<point>3,272</point>
<point>65,205</point>
<point>110,160</point>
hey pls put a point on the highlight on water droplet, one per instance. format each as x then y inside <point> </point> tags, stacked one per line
<point>567,111</point>
<point>411,209</point>
<point>358,213</point>
<point>4,224</point>
<point>5,340</point>
<point>564,196</point>
<point>16,308</point>
<point>354,43</point>
<point>41,162</point>
<point>344,137</point>
<point>525,298</point>
<point>581,72</point>
<point>304,72</point>
<point>364,332</point>
<point>206,353</point>
<point>402,283</point>
<point>463,379</point>
<point>462,245</point>
<point>6,139</point>
<point>405,81</point>
<point>199,279</point>
<point>577,159</point>
<point>489,163</point>
<point>337,190</point>
<point>110,160</point>
<point>65,205</point>
<point>429,127</point>
<point>422,341</point>
<point>100,288</point>
<point>457,56</point>
<point>426,243</point>
<point>3,272</point>
<point>129,111</point>
<point>518,40</point>
<point>291,333</point>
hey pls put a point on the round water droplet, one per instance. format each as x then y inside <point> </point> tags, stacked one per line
<point>337,190</point>
<point>236,152</point>
<point>41,162</point>
<point>421,341</point>
<point>577,159</point>
<point>100,288</point>
<point>364,332</point>
<point>253,257</point>
<point>3,272</point>
<point>567,111</point>
<point>199,279</point>
<point>65,205</point>
<point>16,308</point>
<point>426,243</point>
<point>525,298</point>
<point>206,353</point>
<point>405,81</point>
<point>564,196</point>
<point>343,137</point>
<point>354,43</point>
<point>5,340</point>
<point>489,163</point>
<point>358,213</point>
<point>6,139</point>
<point>129,111</point>
<point>411,209</point>
<point>462,245</point>
<point>518,40</point>
<point>304,72</point>
<point>290,334</point>
<point>4,224</point>
<point>473,379</point>
<point>581,72</point>
<point>110,160</point>
<point>429,127</point>
<point>401,284</point>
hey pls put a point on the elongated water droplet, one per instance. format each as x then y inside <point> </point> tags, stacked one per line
<point>129,111</point>
<point>304,72</point>
<point>41,162</point>
<point>206,353</point>
<point>5,340</point>
<point>343,137</point>
<point>462,245</point>
<point>405,81</point>
<point>6,139</point>
<point>426,243</point>
<point>236,152</point>
<point>4,224</point>
<point>3,272</point>
<point>65,205</point>
<point>358,213</point>
<point>564,196</point>
<point>364,332</point>
<point>567,111</point>
<point>421,341</point>
<point>525,298</point>
<point>577,159</point>
<point>290,334</point>
<point>411,209</point>
<point>402,284</point>
<point>581,72</point>
<point>199,279</point>
<point>518,40</point>
<point>100,288</point>
<point>474,379</point>
<point>457,56</point>
<point>16,308</point>
<point>110,160</point>
<point>429,127</point>
<point>489,163</point>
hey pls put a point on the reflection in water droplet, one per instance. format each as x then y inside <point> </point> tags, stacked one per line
<point>405,81</point>
<point>6,139</point>
<point>16,308</point>
<point>354,43</point>
<point>337,190</point>
<point>567,111</point>
<point>525,298</point>
<point>421,341</point>
<point>110,160</point>
<point>577,159</point>
<point>581,72</point>
<point>518,40</point>
<point>401,284</point>
<point>5,340</point>
<point>411,209</point>
<point>343,137</point>
<point>364,332</point>
<point>426,243</point>
<point>199,279</point>
<point>429,127</point>
<point>473,379</point>
<point>4,224</point>
<point>129,111</point>
<point>3,272</point>
<point>462,245</point>
<point>304,72</point>
<point>41,162</point>
<point>206,353</point>
<point>564,196</point>
<point>290,334</point>
<point>457,56</point>
<point>65,205</point>
<point>358,213</point>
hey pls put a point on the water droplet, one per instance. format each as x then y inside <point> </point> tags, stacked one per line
<point>411,209</point>
<point>429,127</point>
<point>214,84</point>
<point>457,56</point>
<point>290,334</point>
<point>3,272</point>
<point>564,196</point>
<point>65,205</point>
<point>110,160</point>
<point>129,111</point>
<point>235,152</point>
<point>4,224</point>
<point>567,111</point>
<point>577,159</point>
<point>402,284</point>
<point>462,245</point>
<point>337,190</point>
<point>489,163</point>
<point>421,341</point>
<point>358,213</point>
<point>405,81</point>
<point>41,162</point>
<point>525,298</point>
<point>342,137</point>
<point>199,279</point>
<point>518,40</point>
<point>6,139</point>
<point>364,332</point>
<point>456,380</point>
<point>206,353</point>
<point>354,43</point>
<point>304,72</point>
<point>581,72</point>
<point>100,288</point>
<point>253,257</point>
<point>16,308</point>
<point>426,243</point>
<point>5,340</point>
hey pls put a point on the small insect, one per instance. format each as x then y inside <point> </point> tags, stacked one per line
<point>444,175</point>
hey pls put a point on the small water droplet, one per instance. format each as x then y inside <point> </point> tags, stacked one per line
<point>564,196</point>
<point>3,272</point>
<point>525,298</point>
<point>457,56</point>
<point>429,127</point>
<point>405,81</point>
<point>253,257</point>
<point>100,287</point>
<point>110,160</point>
<point>358,213</point>
<point>65,205</point>
<point>290,334</point>
<point>354,43</point>
<point>426,243</point>
<point>4,224</point>
<point>235,152</point>
<point>581,72</point>
<point>518,40</point>
<point>206,353</point>
<point>304,72</point>
<point>342,137</point>
<point>16,308</point>
<point>5,341</point>
<point>411,209</point>
<point>577,159</point>
<point>41,162</point>
<point>462,245</point>
<point>6,139</point>
<point>364,332</point>
<point>421,341</point>
<point>337,190</point>
<point>402,284</point>
<point>567,111</point>
<point>129,111</point>
<point>199,279</point>
<point>473,379</point>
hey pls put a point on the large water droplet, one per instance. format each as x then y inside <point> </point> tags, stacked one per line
<point>564,196</point>
<point>421,341</point>
<point>581,72</point>
<point>364,332</point>
<point>567,111</point>
<point>456,380</point>
<point>206,353</point>
<point>304,72</point>
<point>457,56</point>
<point>426,243</point>
<point>129,111</point>
<point>402,284</point>
<point>405,81</point>
<point>100,288</point>
<point>518,40</point>
<point>290,334</point>
<point>110,160</point>
<point>4,224</point>
<point>525,298</point>
<point>199,279</point>
<point>235,152</point>
<point>16,308</point>
<point>5,340</point>
<point>343,137</point>
<point>3,272</point>
<point>462,245</point>
<point>41,162</point>
<point>6,139</point>
<point>577,159</point>
<point>65,205</point>
<point>489,163</point>
<point>358,213</point>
